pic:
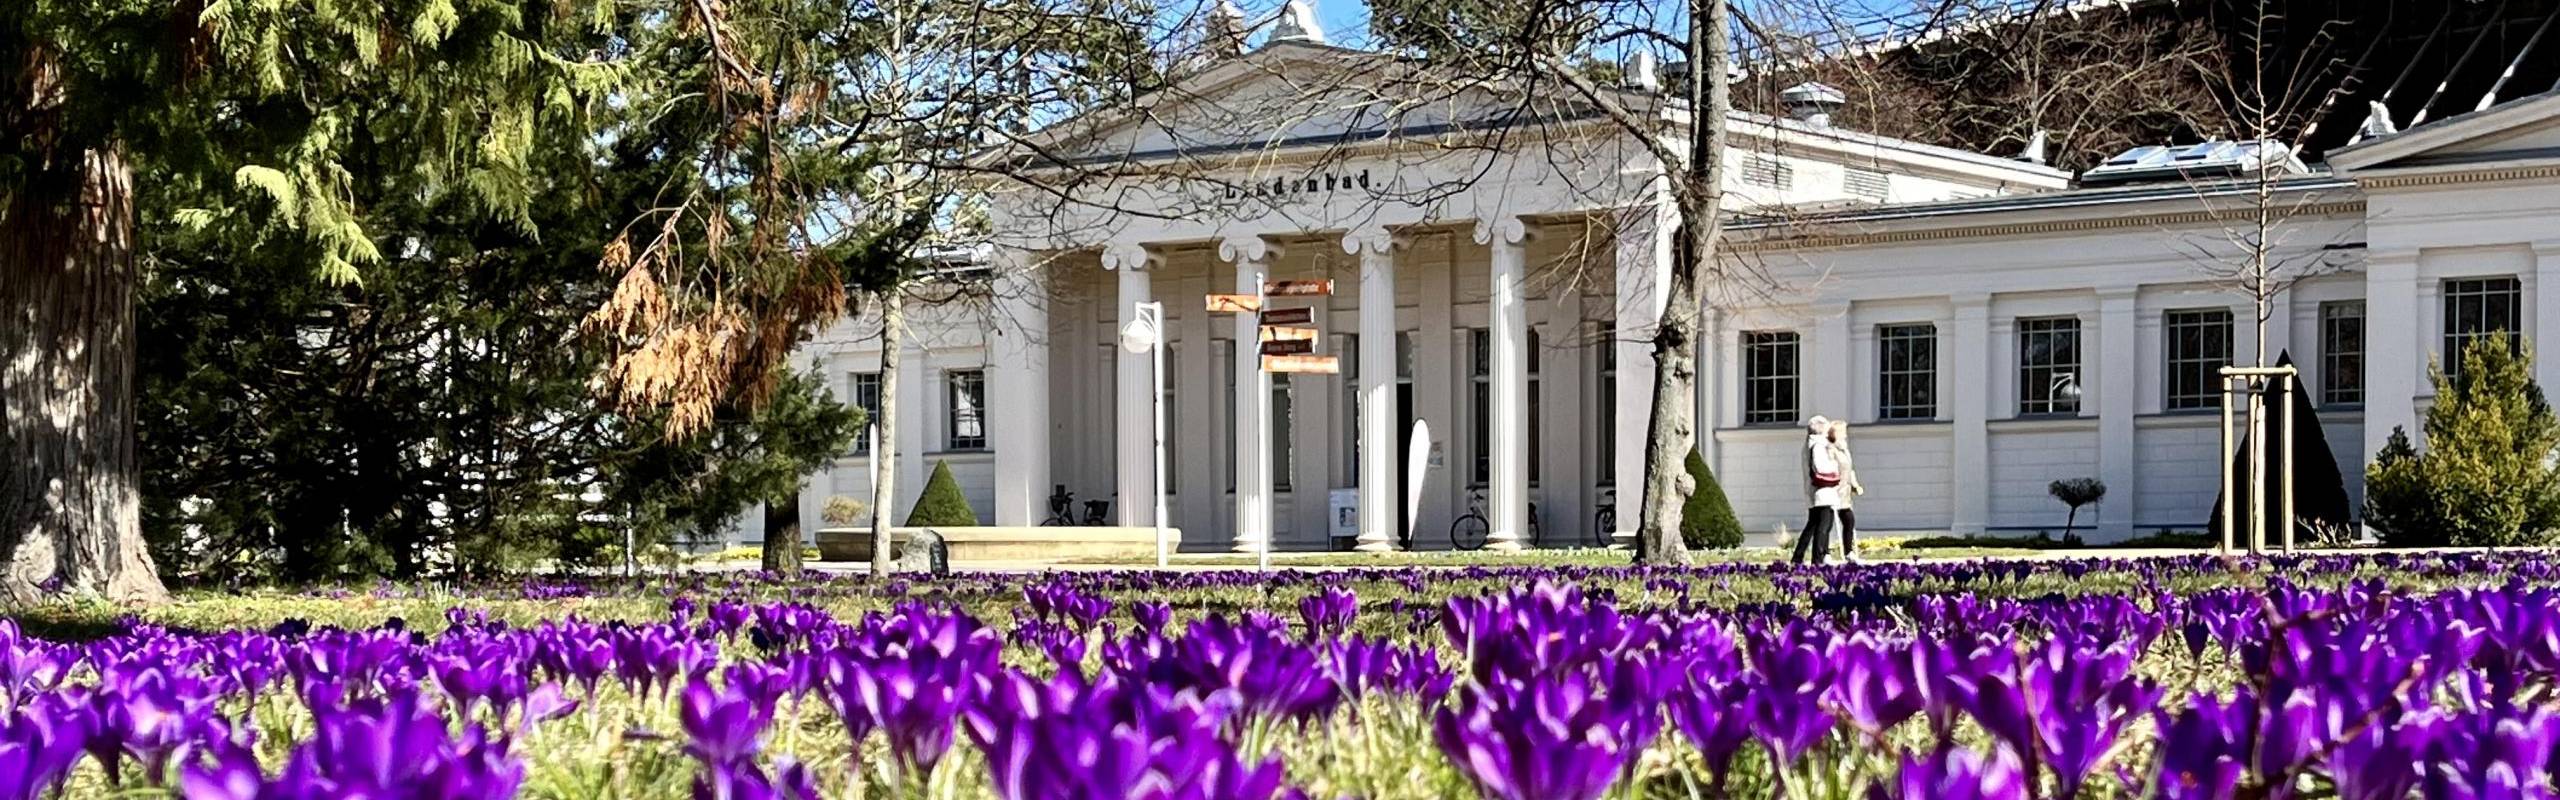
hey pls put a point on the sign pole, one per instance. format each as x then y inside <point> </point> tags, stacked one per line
<point>1262,431</point>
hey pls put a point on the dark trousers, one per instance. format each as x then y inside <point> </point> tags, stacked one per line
<point>1848,532</point>
<point>1816,537</point>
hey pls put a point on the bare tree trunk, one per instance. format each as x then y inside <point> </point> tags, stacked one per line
<point>884,448</point>
<point>782,535</point>
<point>70,494</point>
<point>1673,431</point>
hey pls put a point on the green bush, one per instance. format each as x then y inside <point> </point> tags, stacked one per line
<point>2487,477</point>
<point>1707,521</point>
<point>942,505</point>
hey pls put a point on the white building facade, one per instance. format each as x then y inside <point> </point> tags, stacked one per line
<point>1986,327</point>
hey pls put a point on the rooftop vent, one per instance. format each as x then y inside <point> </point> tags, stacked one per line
<point>2215,159</point>
<point>1812,102</point>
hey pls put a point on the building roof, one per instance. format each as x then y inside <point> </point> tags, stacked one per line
<point>2087,197</point>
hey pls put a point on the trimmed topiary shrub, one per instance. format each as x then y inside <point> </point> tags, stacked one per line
<point>942,504</point>
<point>2487,477</point>
<point>1707,521</point>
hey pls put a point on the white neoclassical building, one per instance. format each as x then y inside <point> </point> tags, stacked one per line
<point>1988,324</point>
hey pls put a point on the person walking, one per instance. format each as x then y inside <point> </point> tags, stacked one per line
<point>1822,493</point>
<point>1850,488</point>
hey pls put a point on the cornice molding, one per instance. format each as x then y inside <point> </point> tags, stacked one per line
<point>1817,241</point>
<point>2455,178</point>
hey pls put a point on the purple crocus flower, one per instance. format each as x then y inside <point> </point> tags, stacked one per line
<point>726,724</point>
<point>1558,738</point>
<point>1788,680</point>
<point>1329,611</point>
<point>2204,751</point>
<point>1955,773</point>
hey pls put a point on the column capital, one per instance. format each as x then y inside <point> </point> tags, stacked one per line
<point>1504,229</point>
<point>1247,247</point>
<point>2548,248</point>
<point>1963,301</point>
<point>2118,294</point>
<point>1130,256</point>
<point>1374,239</point>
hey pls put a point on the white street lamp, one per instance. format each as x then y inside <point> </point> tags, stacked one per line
<point>1145,334</point>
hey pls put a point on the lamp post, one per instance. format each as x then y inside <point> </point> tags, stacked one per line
<point>1145,334</point>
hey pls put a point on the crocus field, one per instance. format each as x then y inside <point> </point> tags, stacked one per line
<point>2361,677</point>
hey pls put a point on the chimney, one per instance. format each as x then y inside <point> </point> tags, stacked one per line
<point>1297,23</point>
<point>1812,103</point>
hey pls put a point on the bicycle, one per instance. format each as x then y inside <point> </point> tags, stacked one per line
<point>1468,532</point>
<point>1062,505</point>
<point>1605,523</point>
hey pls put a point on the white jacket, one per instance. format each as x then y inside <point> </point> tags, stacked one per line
<point>1819,457</point>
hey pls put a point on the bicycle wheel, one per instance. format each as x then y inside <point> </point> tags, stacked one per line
<point>1603,525</point>
<point>1468,532</point>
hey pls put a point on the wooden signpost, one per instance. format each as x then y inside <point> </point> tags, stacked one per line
<point>1288,344</point>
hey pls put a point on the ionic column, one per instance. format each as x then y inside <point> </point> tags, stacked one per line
<point>1967,387</point>
<point>1643,282</point>
<point>1133,393</point>
<point>2395,350</point>
<point>2119,393</point>
<point>1378,501</point>
<point>1018,389</point>
<point>1252,257</point>
<point>1507,500</point>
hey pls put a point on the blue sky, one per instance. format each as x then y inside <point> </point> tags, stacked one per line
<point>1346,21</point>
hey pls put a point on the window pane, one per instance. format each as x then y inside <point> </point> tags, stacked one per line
<point>968,410</point>
<point>2049,365</point>
<point>2342,353</point>
<point>2478,308</point>
<point>1906,371</point>
<point>2197,347</point>
<point>1769,377</point>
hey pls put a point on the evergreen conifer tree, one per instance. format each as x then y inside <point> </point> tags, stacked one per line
<point>942,505</point>
<point>1707,521</point>
<point>2487,477</point>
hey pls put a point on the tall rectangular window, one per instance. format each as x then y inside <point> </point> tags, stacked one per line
<point>1480,402</point>
<point>1604,419</point>
<point>866,396</point>
<point>1769,377</point>
<point>2342,353</point>
<point>2048,366</point>
<point>2478,308</point>
<point>1907,371</point>
<point>1351,417</point>
<point>1283,415</point>
<point>968,410</point>
<point>1479,405</point>
<point>2196,345</point>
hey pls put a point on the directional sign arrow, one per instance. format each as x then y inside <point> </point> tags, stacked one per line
<point>1316,288</point>
<point>1288,316</point>
<point>1302,363</point>
<point>1234,304</point>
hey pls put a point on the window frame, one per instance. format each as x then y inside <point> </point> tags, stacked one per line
<point>2482,291</point>
<point>970,383</point>
<point>1790,385</point>
<point>2336,392</point>
<point>854,385</point>
<point>2036,394</point>
<point>2177,363</point>
<point>1922,379</point>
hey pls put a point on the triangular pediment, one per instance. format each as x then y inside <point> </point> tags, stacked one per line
<point>1285,95</point>
<point>2519,132</point>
